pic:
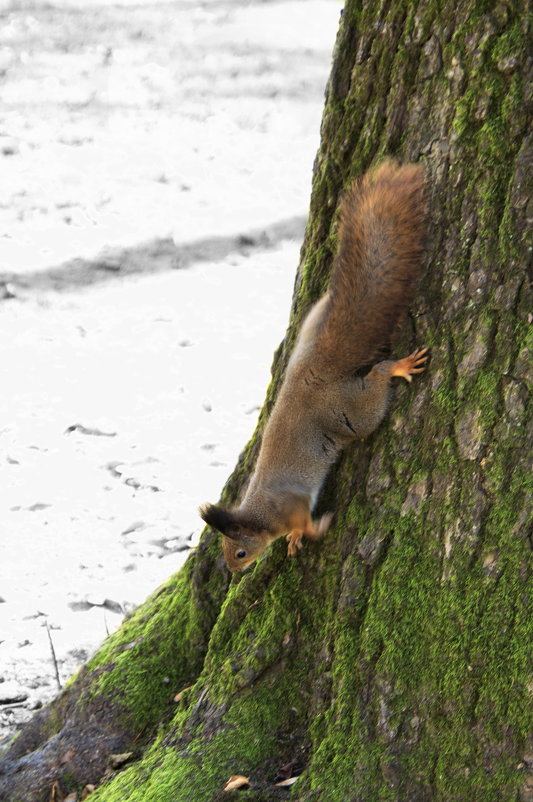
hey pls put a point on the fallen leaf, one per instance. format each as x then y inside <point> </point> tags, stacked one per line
<point>116,761</point>
<point>56,794</point>
<point>236,781</point>
<point>80,606</point>
<point>179,695</point>
<point>290,781</point>
<point>86,791</point>
<point>113,606</point>
<point>79,427</point>
<point>134,527</point>
<point>73,797</point>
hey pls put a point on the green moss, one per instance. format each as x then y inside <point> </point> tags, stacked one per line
<point>250,703</point>
<point>167,638</point>
<point>412,620</point>
<point>485,393</point>
<point>510,45</point>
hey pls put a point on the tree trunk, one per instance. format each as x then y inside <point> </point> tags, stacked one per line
<point>390,660</point>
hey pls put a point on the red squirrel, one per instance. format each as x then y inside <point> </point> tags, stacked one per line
<point>323,403</point>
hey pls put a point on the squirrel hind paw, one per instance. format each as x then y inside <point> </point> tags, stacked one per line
<point>414,363</point>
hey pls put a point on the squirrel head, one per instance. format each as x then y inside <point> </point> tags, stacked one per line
<point>243,541</point>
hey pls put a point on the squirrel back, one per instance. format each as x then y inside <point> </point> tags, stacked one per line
<point>381,234</point>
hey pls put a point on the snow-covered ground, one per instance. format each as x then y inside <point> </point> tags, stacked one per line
<point>167,135</point>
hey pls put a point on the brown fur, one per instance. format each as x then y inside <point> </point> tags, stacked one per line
<point>322,406</point>
<point>381,233</point>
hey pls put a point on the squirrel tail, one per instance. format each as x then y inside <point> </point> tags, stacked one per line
<point>381,235</point>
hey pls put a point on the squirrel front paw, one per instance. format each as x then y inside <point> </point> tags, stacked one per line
<point>315,531</point>
<point>294,539</point>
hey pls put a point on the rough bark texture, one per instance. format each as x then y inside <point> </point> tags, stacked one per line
<point>390,661</point>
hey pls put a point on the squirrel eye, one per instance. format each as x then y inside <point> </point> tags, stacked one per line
<point>240,554</point>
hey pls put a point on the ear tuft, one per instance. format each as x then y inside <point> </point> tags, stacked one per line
<point>217,517</point>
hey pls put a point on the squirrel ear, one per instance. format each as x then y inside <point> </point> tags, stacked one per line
<point>217,518</point>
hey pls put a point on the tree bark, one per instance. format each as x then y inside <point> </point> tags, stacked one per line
<point>390,660</point>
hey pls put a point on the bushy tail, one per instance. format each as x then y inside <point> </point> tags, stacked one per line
<point>381,233</point>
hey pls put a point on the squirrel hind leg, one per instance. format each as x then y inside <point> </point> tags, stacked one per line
<point>414,363</point>
<point>323,524</point>
<point>319,526</point>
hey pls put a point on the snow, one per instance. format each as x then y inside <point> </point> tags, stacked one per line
<point>148,128</point>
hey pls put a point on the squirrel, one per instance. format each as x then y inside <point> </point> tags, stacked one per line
<point>337,384</point>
